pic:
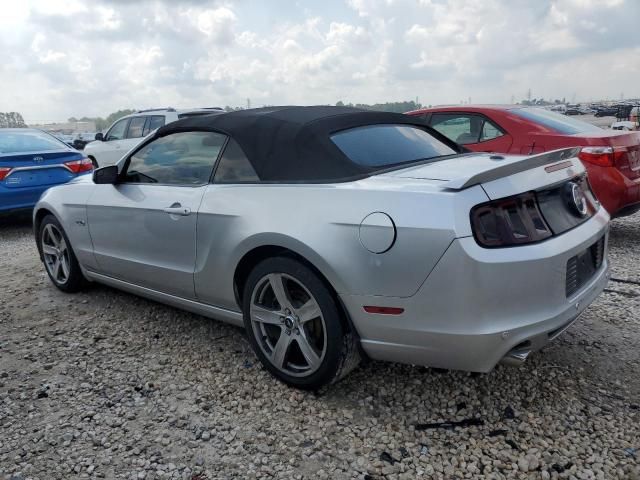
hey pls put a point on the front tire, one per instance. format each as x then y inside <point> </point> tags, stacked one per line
<point>59,260</point>
<point>294,325</point>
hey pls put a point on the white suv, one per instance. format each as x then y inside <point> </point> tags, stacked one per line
<point>128,131</point>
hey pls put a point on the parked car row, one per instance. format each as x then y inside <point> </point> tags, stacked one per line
<point>612,158</point>
<point>77,141</point>
<point>333,233</point>
<point>32,160</point>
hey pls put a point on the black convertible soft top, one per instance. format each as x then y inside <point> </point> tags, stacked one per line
<point>292,144</point>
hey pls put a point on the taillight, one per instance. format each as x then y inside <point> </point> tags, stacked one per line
<point>602,156</point>
<point>509,221</point>
<point>4,171</point>
<point>79,166</point>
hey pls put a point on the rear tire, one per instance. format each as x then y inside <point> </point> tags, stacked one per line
<point>294,325</point>
<point>59,260</point>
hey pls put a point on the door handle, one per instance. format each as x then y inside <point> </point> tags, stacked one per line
<point>177,209</point>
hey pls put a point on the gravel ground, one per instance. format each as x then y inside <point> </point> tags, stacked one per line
<point>107,385</point>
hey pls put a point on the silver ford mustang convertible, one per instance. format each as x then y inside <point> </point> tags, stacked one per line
<point>333,234</point>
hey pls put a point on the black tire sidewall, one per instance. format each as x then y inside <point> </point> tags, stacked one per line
<point>331,363</point>
<point>76,280</point>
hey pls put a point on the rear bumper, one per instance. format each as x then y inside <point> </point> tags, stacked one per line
<point>617,193</point>
<point>20,198</point>
<point>478,305</point>
<point>628,210</point>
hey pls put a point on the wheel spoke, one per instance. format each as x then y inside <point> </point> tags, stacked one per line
<point>52,236</point>
<point>307,350</point>
<point>280,350</point>
<point>62,245</point>
<point>263,315</point>
<point>308,311</point>
<point>65,267</point>
<point>277,285</point>
<point>56,268</point>
<point>49,249</point>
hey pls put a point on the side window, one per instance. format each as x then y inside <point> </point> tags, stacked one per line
<point>490,131</point>
<point>234,166</point>
<point>136,126</point>
<point>460,128</point>
<point>185,158</point>
<point>153,123</point>
<point>117,131</point>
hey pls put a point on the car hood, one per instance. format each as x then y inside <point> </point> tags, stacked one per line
<point>463,171</point>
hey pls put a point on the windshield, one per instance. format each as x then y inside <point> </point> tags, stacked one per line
<point>14,141</point>
<point>555,121</point>
<point>388,145</point>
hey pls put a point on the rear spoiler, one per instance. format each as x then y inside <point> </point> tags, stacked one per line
<point>500,171</point>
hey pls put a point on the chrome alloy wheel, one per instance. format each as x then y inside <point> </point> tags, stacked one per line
<point>288,324</point>
<point>56,254</point>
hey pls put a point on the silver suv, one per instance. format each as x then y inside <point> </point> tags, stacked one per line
<point>128,131</point>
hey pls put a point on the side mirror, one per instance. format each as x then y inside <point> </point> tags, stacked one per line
<point>99,136</point>
<point>106,175</point>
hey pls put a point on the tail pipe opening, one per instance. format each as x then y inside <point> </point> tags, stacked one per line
<point>518,355</point>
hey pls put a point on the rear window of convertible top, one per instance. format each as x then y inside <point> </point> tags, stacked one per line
<point>389,145</point>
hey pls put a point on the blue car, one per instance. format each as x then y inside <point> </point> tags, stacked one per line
<point>32,161</point>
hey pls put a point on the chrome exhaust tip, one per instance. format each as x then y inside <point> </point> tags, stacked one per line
<point>515,358</point>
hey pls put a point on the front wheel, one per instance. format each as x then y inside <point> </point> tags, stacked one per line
<point>294,325</point>
<point>58,257</point>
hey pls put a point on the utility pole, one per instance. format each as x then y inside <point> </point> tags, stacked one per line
<point>529,94</point>
<point>248,103</point>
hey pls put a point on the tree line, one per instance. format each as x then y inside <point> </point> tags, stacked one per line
<point>396,107</point>
<point>11,120</point>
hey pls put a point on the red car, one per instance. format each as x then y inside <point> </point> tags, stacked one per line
<point>612,157</point>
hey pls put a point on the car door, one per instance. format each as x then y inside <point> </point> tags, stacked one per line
<point>143,228</point>
<point>112,148</point>
<point>134,133</point>
<point>153,123</point>
<point>476,132</point>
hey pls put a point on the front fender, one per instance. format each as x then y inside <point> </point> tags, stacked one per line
<point>68,203</point>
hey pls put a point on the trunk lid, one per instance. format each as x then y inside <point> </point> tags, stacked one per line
<point>38,168</point>
<point>500,175</point>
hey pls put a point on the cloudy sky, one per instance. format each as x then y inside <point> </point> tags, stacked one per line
<point>63,58</point>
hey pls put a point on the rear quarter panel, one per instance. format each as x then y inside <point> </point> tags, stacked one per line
<point>321,223</point>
